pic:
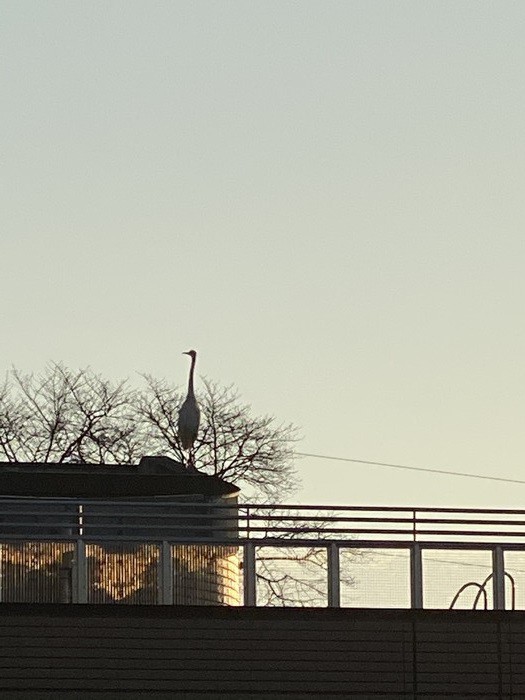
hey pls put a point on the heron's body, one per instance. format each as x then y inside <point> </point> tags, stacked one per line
<point>189,413</point>
<point>188,425</point>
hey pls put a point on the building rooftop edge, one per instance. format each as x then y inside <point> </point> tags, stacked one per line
<point>153,476</point>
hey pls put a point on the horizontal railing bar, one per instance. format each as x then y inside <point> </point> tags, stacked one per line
<point>213,525</point>
<point>323,519</point>
<point>328,530</point>
<point>267,533</point>
<point>472,533</point>
<point>107,503</point>
<point>87,515</point>
<point>117,513</point>
<point>120,520</point>
<point>381,544</point>
<point>114,515</point>
<point>409,509</point>
<point>116,529</point>
<point>409,519</point>
<point>113,521</point>
<point>172,501</point>
<point>267,542</point>
<point>95,531</point>
<point>117,540</point>
<point>242,510</point>
<point>465,521</point>
<point>386,531</point>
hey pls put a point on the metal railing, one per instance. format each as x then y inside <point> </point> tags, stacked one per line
<point>334,539</point>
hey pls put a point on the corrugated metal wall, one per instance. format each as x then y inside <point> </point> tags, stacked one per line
<point>111,651</point>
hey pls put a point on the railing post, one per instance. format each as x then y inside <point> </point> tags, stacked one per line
<point>334,576</point>
<point>248,521</point>
<point>79,593</point>
<point>416,576</point>
<point>498,578</point>
<point>250,592</point>
<point>166,574</point>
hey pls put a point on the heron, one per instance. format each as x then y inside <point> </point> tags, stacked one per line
<point>189,415</point>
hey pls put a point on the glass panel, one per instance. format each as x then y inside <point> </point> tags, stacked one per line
<point>515,580</point>
<point>206,575</point>
<point>462,578</point>
<point>292,576</point>
<point>375,578</point>
<point>122,573</point>
<point>36,572</point>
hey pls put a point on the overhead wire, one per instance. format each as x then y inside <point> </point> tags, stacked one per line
<point>429,470</point>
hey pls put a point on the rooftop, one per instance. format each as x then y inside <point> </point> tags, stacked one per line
<point>153,477</point>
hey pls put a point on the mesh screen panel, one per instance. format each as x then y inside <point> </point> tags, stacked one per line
<point>292,576</point>
<point>515,587</point>
<point>206,575</point>
<point>375,578</point>
<point>122,573</point>
<point>36,572</point>
<point>446,571</point>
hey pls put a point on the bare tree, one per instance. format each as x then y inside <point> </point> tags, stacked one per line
<point>252,451</point>
<point>296,574</point>
<point>65,415</point>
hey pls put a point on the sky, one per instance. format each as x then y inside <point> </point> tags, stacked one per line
<point>324,198</point>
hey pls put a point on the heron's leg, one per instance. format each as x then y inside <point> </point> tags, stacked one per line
<point>191,461</point>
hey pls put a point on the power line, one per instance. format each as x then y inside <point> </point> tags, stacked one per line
<point>449,561</point>
<point>413,469</point>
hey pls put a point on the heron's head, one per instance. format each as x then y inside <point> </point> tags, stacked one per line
<point>191,353</point>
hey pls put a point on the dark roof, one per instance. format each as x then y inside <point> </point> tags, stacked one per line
<point>153,477</point>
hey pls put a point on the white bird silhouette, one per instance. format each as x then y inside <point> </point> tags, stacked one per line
<point>189,415</point>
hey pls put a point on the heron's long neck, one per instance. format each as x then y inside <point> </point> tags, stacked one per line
<point>190,380</point>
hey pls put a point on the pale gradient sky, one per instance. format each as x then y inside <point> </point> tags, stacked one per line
<point>325,199</point>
